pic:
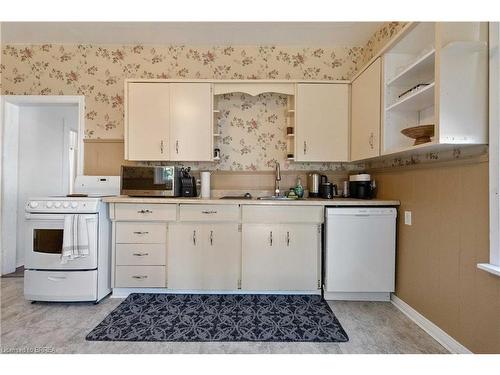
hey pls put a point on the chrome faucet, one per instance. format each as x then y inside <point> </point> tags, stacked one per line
<point>277,180</point>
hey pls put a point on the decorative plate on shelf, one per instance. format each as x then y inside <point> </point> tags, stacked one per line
<point>421,133</point>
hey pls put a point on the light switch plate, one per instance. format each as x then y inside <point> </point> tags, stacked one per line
<point>407,217</point>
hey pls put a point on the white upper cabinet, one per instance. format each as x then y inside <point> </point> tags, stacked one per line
<point>191,121</point>
<point>147,121</point>
<point>365,113</point>
<point>168,121</point>
<point>322,122</point>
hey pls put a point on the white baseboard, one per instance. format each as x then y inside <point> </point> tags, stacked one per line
<point>357,296</point>
<point>124,292</point>
<point>452,345</point>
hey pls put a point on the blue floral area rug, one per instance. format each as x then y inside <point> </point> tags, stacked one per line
<point>195,317</point>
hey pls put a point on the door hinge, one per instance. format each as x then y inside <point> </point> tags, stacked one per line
<point>239,284</point>
<point>319,284</point>
<point>319,229</point>
<point>239,227</point>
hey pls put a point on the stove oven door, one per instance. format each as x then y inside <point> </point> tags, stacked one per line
<point>44,243</point>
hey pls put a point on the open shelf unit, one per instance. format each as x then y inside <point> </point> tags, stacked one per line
<point>290,123</point>
<point>450,59</point>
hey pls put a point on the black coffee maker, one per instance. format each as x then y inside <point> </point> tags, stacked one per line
<point>188,183</point>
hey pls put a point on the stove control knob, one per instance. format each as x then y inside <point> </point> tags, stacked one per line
<point>49,204</point>
<point>33,204</point>
<point>66,204</point>
<point>57,204</point>
<point>74,204</point>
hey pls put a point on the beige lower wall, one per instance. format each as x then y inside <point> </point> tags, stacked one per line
<point>105,158</point>
<point>437,255</point>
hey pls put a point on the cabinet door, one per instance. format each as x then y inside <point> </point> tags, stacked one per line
<point>300,267</point>
<point>191,119</point>
<point>185,256</point>
<point>260,257</point>
<point>147,120</point>
<point>322,123</point>
<point>365,113</point>
<point>221,257</point>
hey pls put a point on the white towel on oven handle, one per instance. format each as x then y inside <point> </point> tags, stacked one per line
<point>75,237</point>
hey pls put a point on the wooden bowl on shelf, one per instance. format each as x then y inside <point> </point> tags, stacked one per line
<point>421,133</point>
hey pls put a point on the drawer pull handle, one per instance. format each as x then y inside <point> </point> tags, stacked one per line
<point>145,212</point>
<point>287,238</point>
<point>139,277</point>
<point>271,238</point>
<point>56,278</point>
<point>211,238</point>
<point>140,254</point>
<point>194,237</point>
<point>141,233</point>
<point>208,212</point>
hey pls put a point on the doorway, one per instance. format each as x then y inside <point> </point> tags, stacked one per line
<point>42,152</point>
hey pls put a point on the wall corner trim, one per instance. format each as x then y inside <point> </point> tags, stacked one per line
<point>452,345</point>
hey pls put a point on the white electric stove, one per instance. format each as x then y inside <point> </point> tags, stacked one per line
<point>87,278</point>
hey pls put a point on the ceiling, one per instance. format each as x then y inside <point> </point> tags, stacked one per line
<point>192,33</point>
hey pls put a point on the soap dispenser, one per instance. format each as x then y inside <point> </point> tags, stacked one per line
<point>299,189</point>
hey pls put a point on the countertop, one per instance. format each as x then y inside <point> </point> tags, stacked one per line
<point>298,202</point>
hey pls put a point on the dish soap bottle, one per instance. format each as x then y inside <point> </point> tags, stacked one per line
<point>299,189</point>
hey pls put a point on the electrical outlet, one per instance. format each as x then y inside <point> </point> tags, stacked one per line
<point>407,217</point>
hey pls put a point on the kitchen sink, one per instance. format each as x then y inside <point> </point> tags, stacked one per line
<point>276,198</point>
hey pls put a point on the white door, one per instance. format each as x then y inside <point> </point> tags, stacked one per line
<point>260,257</point>
<point>365,113</point>
<point>185,256</point>
<point>322,123</point>
<point>147,120</point>
<point>300,268</point>
<point>191,115</point>
<point>222,257</point>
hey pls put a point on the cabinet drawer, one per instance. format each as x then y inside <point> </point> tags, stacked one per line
<point>209,212</point>
<point>146,212</point>
<point>282,214</point>
<point>140,254</point>
<point>132,232</point>
<point>140,276</point>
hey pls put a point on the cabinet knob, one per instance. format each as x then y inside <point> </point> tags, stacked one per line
<point>305,147</point>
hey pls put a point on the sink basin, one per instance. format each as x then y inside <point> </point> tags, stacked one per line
<point>275,198</point>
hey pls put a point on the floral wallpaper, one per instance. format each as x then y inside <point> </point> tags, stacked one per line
<point>253,128</point>
<point>98,71</point>
<point>379,40</point>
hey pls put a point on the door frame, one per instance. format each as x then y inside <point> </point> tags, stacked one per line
<point>8,189</point>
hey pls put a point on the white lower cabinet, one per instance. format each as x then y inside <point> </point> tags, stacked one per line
<point>280,257</point>
<point>204,256</point>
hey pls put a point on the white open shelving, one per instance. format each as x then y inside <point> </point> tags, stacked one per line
<point>451,60</point>
<point>421,99</point>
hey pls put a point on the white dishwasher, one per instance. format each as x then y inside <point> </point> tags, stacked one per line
<point>360,253</point>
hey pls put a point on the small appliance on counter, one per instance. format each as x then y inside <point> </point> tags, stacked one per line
<point>188,183</point>
<point>361,186</point>
<point>314,181</point>
<point>153,181</point>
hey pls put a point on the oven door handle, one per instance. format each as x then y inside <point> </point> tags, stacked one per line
<point>30,216</point>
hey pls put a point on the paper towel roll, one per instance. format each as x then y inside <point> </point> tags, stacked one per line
<point>205,184</point>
